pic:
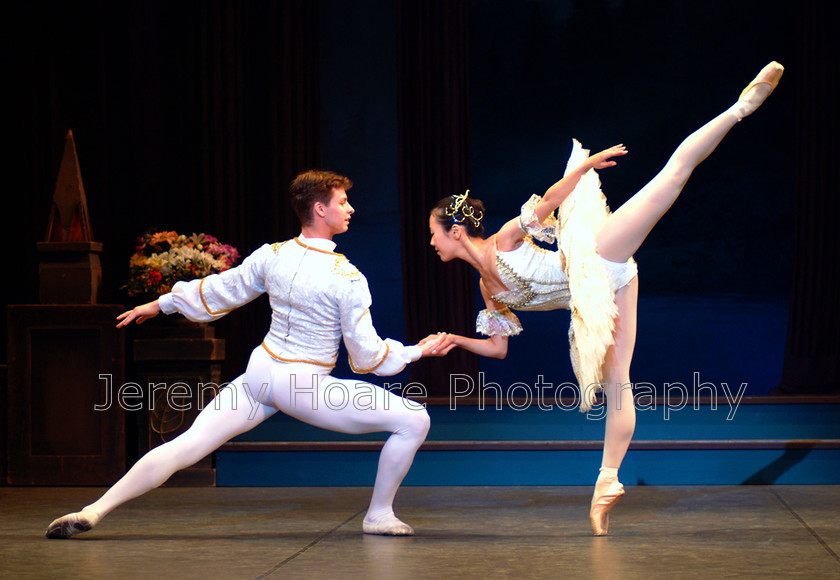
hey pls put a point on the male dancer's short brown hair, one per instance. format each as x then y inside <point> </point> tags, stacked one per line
<point>313,186</point>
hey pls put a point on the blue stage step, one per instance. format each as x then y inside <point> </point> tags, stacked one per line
<point>762,441</point>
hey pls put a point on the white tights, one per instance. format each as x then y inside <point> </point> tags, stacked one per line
<point>266,387</point>
<point>621,236</point>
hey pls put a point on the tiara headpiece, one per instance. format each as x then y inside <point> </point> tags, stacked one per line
<point>459,206</point>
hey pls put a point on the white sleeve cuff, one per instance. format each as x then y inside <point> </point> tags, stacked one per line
<point>167,304</point>
<point>185,298</point>
<point>413,353</point>
<point>398,356</point>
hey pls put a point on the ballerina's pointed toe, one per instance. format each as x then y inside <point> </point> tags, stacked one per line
<point>760,88</point>
<point>599,513</point>
<point>769,75</point>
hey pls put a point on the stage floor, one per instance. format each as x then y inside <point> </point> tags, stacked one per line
<point>462,532</point>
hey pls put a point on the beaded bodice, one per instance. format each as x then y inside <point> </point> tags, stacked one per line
<point>534,277</point>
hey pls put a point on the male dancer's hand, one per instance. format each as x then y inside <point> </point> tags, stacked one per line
<point>437,344</point>
<point>432,344</point>
<point>140,313</point>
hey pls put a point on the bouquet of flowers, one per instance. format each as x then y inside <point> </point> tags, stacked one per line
<point>163,258</point>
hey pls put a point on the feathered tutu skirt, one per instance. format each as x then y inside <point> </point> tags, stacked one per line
<point>593,281</point>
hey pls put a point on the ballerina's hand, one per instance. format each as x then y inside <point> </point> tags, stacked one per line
<point>140,314</point>
<point>603,159</point>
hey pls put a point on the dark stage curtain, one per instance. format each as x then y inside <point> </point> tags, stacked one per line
<point>259,129</point>
<point>434,161</point>
<point>812,353</point>
<point>192,116</point>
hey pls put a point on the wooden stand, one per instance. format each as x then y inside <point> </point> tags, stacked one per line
<point>179,367</point>
<point>3,374</point>
<point>58,356</point>
<point>69,272</point>
<point>65,356</point>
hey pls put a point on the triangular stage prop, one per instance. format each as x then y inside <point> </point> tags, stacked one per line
<point>69,270</point>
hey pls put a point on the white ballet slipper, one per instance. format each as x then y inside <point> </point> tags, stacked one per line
<point>759,89</point>
<point>608,490</point>
<point>72,524</point>
<point>387,526</point>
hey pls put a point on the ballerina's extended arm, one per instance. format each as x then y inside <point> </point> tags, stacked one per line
<point>510,234</point>
<point>558,192</point>
<point>493,347</point>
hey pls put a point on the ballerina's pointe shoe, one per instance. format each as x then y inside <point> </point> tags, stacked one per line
<point>758,90</point>
<point>72,524</point>
<point>387,526</point>
<point>608,490</point>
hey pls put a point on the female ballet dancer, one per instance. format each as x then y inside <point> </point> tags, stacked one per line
<point>592,273</point>
<point>317,298</point>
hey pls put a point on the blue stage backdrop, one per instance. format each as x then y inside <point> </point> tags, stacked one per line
<point>181,122</point>
<point>715,273</point>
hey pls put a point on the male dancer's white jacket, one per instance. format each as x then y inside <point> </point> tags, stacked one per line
<point>317,297</point>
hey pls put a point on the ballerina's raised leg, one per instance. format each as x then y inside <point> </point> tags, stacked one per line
<point>621,236</point>
<point>629,225</point>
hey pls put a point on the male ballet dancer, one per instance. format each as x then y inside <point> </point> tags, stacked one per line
<point>317,298</point>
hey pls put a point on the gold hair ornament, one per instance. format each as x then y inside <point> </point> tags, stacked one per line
<point>459,205</point>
